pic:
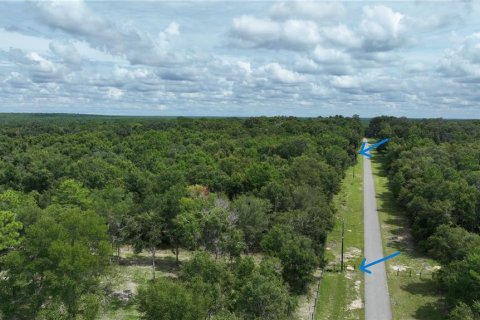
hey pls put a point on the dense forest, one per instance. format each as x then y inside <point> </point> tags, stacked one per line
<point>434,174</point>
<point>251,198</point>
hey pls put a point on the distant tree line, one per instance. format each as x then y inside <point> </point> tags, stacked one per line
<point>434,174</point>
<point>75,189</point>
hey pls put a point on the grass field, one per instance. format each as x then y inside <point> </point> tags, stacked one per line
<point>341,294</point>
<point>413,292</point>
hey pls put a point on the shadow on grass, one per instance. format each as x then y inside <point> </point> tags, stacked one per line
<point>116,304</point>
<point>165,264</point>
<point>432,311</point>
<point>427,287</point>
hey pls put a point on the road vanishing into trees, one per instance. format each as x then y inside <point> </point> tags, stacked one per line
<point>377,298</point>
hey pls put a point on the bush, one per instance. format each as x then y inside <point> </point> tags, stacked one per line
<point>167,299</point>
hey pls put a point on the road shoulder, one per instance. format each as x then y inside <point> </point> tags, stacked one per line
<point>341,294</point>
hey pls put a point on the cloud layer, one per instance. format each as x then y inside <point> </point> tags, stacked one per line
<point>295,57</point>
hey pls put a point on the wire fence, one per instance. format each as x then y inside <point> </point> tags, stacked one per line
<point>336,267</point>
<point>407,273</point>
<point>316,295</point>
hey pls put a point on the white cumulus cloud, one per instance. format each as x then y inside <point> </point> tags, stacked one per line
<point>382,28</point>
<point>293,34</point>
<point>279,73</point>
<point>318,11</point>
<point>77,19</point>
<point>65,51</point>
<point>463,63</point>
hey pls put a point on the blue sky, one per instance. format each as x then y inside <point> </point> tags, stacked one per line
<point>241,58</point>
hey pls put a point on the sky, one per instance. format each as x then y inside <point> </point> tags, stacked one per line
<point>241,58</point>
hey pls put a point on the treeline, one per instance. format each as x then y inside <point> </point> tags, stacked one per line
<point>75,190</point>
<point>434,174</point>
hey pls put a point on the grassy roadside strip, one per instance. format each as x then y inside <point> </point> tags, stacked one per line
<point>413,292</point>
<point>341,294</point>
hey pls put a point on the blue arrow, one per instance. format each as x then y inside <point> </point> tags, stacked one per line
<point>364,151</point>
<point>363,266</point>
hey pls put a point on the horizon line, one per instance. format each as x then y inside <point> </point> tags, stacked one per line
<point>220,116</point>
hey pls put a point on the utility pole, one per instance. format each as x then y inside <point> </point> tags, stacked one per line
<point>343,232</point>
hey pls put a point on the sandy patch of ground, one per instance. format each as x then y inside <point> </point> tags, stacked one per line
<point>434,268</point>
<point>306,302</point>
<point>132,286</point>
<point>399,267</point>
<point>403,240</point>
<point>352,253</point>
<point>357,303</point>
